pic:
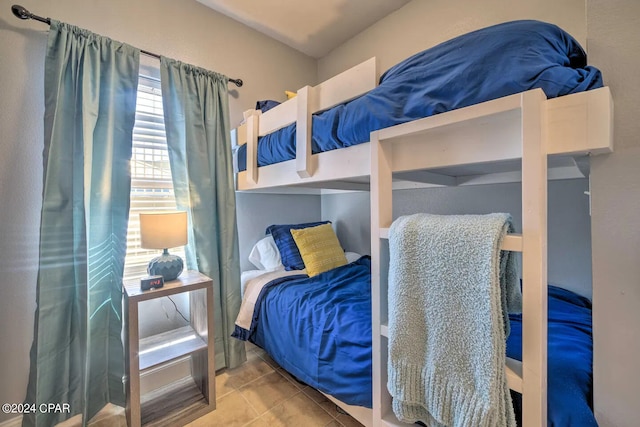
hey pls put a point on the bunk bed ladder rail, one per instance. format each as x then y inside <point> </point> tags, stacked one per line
<point>534,259</point>
<point>528,377</point>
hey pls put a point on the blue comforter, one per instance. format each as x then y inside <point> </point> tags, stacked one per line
<point>569,365</point>
<point>319,330</point>
<point>479,66</point>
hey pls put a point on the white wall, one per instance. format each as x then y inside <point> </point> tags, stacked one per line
<point>613,35</point>
<point>185,30</point>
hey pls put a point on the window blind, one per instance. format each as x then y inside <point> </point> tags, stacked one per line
<point>151,184</point>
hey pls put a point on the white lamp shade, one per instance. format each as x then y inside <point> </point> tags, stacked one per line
<point>163,230</point>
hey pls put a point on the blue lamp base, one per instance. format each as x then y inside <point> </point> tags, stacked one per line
<point>166,265</point>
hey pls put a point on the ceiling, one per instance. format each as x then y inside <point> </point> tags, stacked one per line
<point>314,27</point>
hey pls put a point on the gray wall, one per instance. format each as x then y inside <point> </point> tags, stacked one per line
<point>569,224</point>
<point>422,24</point>
<point>351,216</point>
<point>185,30</point>
<point>613,32</point>
<point>258,211</point>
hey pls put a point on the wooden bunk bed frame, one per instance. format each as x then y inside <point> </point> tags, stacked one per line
<point>514,138</point>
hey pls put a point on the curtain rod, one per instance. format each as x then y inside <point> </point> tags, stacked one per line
<point>22,13</point>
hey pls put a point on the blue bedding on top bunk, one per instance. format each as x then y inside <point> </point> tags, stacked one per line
<point>479,66</point>
<point>319,330</point>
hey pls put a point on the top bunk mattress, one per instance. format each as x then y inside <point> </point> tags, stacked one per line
<point>486,64</point>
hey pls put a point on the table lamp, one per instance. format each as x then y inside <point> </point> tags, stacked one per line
<point>163,230</point>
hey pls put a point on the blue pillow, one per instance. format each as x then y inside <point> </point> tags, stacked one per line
<point>266,105</point>
<point>289,253</point>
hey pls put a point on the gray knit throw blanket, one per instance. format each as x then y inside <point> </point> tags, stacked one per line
<point>450,290</point>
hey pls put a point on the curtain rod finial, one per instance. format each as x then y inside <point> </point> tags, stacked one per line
<point>20,12</point>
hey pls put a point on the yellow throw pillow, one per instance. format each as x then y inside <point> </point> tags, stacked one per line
<point>319,248</point>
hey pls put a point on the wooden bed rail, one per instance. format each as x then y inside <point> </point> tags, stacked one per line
<point>343,87</point>
<point>307,100</point>
<point>252,120</point>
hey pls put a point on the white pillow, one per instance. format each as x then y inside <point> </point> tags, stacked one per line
<point>352,256</point>
<point>265,255</point>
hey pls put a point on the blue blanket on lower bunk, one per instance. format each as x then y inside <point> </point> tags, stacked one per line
<point>319,330</point>
<point>486,64</point>
<point>569,365</point>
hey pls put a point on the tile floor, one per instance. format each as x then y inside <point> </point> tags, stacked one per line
<point>260,393</point>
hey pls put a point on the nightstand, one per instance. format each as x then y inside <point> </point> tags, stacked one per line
<point>185,400</point>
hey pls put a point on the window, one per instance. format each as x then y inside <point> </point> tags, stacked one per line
<point>151,184</point>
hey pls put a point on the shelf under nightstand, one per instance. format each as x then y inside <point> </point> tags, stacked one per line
<point>187,399</point>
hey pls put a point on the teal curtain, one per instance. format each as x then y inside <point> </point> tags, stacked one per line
<point>77,355</point>
<point>196,111</point>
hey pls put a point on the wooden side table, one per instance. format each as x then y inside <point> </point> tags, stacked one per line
<point>181,401</point>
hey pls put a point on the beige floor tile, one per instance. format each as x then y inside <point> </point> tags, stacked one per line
<point>249,371</point>
<point>268,391</point>
<point>223,384</point>
<point>326,404</point>
<point>258,422</point>
<point>291,378</point>
<point>264,356</point>
<point>321,400</point>
<point>348,421</point>
<point>300,410</point>
<point>232,410</point>
<point>109,416</point>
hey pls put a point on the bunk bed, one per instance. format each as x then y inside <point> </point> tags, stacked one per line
<point>525,133</point>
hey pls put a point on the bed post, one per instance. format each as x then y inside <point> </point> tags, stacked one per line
<point>306,102</point>
<point>381,218</point>
<point>534,259</point>
<point>252,120</point>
